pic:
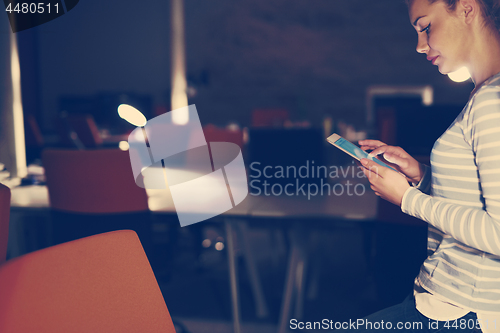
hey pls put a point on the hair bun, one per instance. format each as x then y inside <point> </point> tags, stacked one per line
<point>495,13</point>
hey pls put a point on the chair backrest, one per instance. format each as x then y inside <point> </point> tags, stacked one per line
<point>92,181</point>
<point>83,127</point>
<point>4,220</point>
<point>101,283</point>
<point>86,129</point>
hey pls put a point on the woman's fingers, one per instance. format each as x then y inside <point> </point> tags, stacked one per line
<point>395,157</point>
<point>376,143</point>
<point>370,144</point>
<point>387,149</point>
<point>386,183</point>
<point>373,169</point>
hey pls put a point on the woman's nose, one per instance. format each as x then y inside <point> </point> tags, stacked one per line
<point>422,45</point>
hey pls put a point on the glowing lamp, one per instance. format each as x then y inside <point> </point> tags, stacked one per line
<point>132,115</point>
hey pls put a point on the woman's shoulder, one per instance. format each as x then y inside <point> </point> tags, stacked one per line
<point>487,95</point>
<point>482,107</point>
<point>489,89</point>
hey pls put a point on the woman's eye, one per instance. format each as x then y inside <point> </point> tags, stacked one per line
<point>426,29</point>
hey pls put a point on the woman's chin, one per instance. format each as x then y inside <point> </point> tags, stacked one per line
<point>447,69</point>
<point>444,70</point>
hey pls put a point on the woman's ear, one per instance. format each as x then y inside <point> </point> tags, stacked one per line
<point>468,9</point>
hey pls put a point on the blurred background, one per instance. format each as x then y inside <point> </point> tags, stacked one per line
<point>260,69</point>
<point>314,58</point>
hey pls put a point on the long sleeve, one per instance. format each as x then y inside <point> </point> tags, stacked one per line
<point>425,183</point>
<point>465,200</point>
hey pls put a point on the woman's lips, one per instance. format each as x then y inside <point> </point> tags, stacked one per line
<point>432,59</point>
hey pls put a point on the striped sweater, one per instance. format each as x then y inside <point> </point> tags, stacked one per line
<point>459,197</point>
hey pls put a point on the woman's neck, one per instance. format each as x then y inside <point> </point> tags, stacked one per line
<point>485,60</point>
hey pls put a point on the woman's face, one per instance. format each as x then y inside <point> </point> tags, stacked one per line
<point>441,34</point>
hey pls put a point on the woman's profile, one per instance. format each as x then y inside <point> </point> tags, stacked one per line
<point>458,287</point>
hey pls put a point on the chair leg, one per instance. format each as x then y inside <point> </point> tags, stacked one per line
<point>233,276</point>
<point>313,289</point>
<point>261,308</point>
<point>300,282</point>
<point>295,278</point>
<point>303,241</point>
<point>288,293</point>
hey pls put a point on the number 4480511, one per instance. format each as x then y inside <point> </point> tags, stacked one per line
<point>32,8</point>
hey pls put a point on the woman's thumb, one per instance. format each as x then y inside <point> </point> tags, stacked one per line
<point>392,158</point>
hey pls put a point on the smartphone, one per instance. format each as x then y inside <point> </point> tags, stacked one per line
<point>353,150</point>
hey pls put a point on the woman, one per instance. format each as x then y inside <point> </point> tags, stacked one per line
<point>458,287</point>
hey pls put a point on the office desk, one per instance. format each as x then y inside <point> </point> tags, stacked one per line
<point>298,208</point>
<point>347,207</point>
<point>300,211</point>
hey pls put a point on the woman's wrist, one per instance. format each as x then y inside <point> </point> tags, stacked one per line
<point>421,172</point>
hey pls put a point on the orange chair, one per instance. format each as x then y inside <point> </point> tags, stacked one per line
<point>4,220</point>
<point>93,191</point>
<point>92,181</point>
<point>102,283</point>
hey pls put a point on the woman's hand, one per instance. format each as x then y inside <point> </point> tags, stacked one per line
<point>396,157</point>
<point>387,183</point>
